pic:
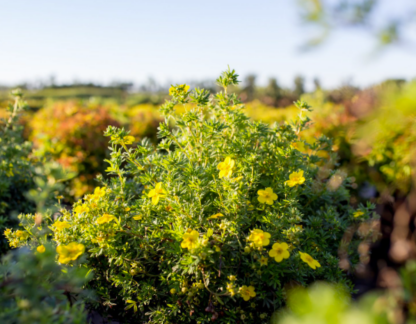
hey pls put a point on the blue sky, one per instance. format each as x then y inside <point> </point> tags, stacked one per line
<point>175,41</point>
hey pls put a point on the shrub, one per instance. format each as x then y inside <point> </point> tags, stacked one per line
<point>214,222</point>
<point>70,133</point>
<point>17,168</point>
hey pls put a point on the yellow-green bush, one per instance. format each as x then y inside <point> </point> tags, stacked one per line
<point>386,137</point>
<point>212,223</point>
<point>267,114</point>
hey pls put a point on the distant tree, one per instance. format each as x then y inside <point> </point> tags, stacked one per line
<point>299,86</point>
<point>249,88</point>
<point>317,84</point>
<point>273,92</point>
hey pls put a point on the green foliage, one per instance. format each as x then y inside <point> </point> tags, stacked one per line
<point>17,168</point>
<point>34,289</point>
<point>187,231</point>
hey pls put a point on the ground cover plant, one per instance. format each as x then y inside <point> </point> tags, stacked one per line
<point>213,223</point>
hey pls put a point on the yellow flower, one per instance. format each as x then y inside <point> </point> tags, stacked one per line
<point>217,248</point>
<point>279,251</point>
<point>232,278</point>
<point>40,249</point>
<point>106,218</point>
<point>80,209</point>
<point>7,231</point>
<point>190,240</point>
<point>358,213</point>
<point>263,261</point>
<point>300,146</point>
<point>178,90</point>
<point>138,217</point>
<point>127,209</point>
<point>128,139</point>
<point>226,167</point>
<point>295,178</point>
<point>259,238</point>
<point>309,260</point>
<point>173,291</point>
<point>266,196</point>
<point>216,216</point>
<point>99,192</point>
<point>157,193</point>
<point>59,226</point>
<point>70,252</point>
<point>247,292</point>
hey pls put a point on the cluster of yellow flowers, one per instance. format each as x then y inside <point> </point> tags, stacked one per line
<point>279,251</point>
<point>16,237</point>
<point>73,250</point>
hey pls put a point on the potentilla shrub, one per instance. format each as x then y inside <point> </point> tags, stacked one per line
<point>214,223</point>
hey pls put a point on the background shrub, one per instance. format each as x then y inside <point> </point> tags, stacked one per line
<point>70,133</point>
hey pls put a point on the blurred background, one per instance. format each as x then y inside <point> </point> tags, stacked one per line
<point>84,65</point>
